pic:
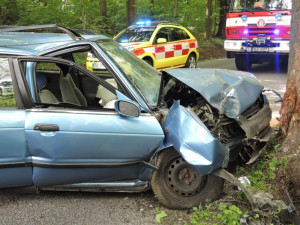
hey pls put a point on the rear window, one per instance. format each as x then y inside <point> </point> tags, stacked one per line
<point>7,96</point>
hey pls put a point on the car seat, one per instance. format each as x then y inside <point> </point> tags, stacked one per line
<point>45,95</point>
<point>69,91</point>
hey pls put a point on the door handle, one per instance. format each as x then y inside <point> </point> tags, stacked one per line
<point>46,127</point>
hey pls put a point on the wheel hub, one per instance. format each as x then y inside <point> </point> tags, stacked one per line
<point>183,178</point>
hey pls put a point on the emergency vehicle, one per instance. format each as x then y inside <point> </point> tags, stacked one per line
<point>161,44</point>
<point>258,31</point>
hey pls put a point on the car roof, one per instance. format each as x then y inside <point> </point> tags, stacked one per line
<point>31,43</point>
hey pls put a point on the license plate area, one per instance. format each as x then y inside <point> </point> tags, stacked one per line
<point>257,49</point>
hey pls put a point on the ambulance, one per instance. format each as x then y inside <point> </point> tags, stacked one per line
<point>162,45</point>
<point>258,31</point>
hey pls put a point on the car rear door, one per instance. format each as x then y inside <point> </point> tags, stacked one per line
<point>15,161</point>
<point>80,144</point>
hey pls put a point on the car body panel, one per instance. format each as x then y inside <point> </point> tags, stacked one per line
<point>14,150</point>
<point>231,92</point>
<point>85,138</point>
<point>193,141</point>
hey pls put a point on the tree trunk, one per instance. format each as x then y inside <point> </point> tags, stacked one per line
<point>222,20</point>
<point>103,9</point>
<point>175,4</point>
<point>208,18</point>
<point>1,20</point>
<point>131,12</point>
<point>290,109</point>
<point>152,8</point>
<point>83,15</point>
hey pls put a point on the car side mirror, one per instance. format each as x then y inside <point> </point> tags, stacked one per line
<point>161,40</point>
<point>128,108</point>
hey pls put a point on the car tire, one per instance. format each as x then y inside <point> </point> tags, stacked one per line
<point>179,185</point>
<point>242,62</point>
<point>191,62</point>
<point>148,61</point>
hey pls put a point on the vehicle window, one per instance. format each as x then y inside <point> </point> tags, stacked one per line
<point>178,34</point>
<point>136,34</point>
<point>65,85</point>
<point>7,96</point>
<point>259,5</point>
<point>162,33</point>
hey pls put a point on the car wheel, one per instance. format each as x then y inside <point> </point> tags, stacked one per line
<point>179,185</point>
<point>148,61</point>
<point>191,62</point>
<point>242,62</point>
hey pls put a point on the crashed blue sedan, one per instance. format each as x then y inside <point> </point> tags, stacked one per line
<point>122,126</point>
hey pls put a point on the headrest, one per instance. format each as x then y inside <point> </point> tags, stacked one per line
<point>41,80</point>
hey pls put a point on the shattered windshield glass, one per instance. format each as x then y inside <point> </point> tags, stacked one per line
<point>143,76</point>
<point>259,5</point>
<point>136,34</point>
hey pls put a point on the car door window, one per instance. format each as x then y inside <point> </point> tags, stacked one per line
<point>178,34</point>
<point>162,33</point>
<point>63,84</point>
<point>7,96</point>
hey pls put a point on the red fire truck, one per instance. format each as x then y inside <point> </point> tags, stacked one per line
<point>258,31</point>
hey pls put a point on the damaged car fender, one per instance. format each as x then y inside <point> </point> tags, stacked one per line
<point>192,140</point>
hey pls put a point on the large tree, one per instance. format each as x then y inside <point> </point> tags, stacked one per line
<point>290,110</point>
<point>222,19</point>
<point>208,24</point>
<point>131,12</point>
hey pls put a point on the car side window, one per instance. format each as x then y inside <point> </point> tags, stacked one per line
<point>162,33</point>
<point>178,34</point>
<point>7,96</point>
<point>58,83</point>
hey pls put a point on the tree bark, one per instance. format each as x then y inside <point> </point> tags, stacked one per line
<point>1,20</point>
<point>175,5</point>
<point>103,9</point>
<point>290,109</point>
<point>152,8</point>
<point>208,18</point>
<point>222,20</point>
<point>83,15</point>
<point>131,12</point>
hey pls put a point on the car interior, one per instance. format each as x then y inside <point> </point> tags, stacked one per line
<point>61,83</point>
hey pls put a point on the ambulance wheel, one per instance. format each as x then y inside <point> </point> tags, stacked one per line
<point>179,185</point>
<point>243,62</point>
<point>191,62</point>
<point>149,61</point>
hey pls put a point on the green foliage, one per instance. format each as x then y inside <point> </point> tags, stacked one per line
<point>191,14</point>
<point>264,170</point>
<point>7,101</point>
<point>162,214</point>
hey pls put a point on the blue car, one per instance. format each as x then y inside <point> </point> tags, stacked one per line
<point>124,127</point>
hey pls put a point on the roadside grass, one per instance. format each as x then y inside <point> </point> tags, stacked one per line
<point>267,174</point>
<point>7,101</point>
<point>211,48</point>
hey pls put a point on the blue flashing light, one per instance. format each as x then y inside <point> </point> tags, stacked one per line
<point>246,31</point>
<point>276,31</point>
<point>144,22</point>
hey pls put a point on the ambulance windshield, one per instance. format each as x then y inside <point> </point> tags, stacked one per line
<point>136,34</point>
<point>259,5</point>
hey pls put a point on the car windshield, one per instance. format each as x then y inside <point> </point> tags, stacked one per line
<point>259,5</point>
<point>136,34</point>
<point>143,76</point>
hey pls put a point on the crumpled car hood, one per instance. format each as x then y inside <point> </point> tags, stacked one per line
<point>231,92</point>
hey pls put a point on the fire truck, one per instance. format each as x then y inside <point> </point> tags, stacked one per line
<point>258,31</point>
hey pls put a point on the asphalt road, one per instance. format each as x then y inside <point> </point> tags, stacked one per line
<point>26,206</point>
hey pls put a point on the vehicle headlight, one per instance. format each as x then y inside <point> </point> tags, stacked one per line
<point>131,49</point>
